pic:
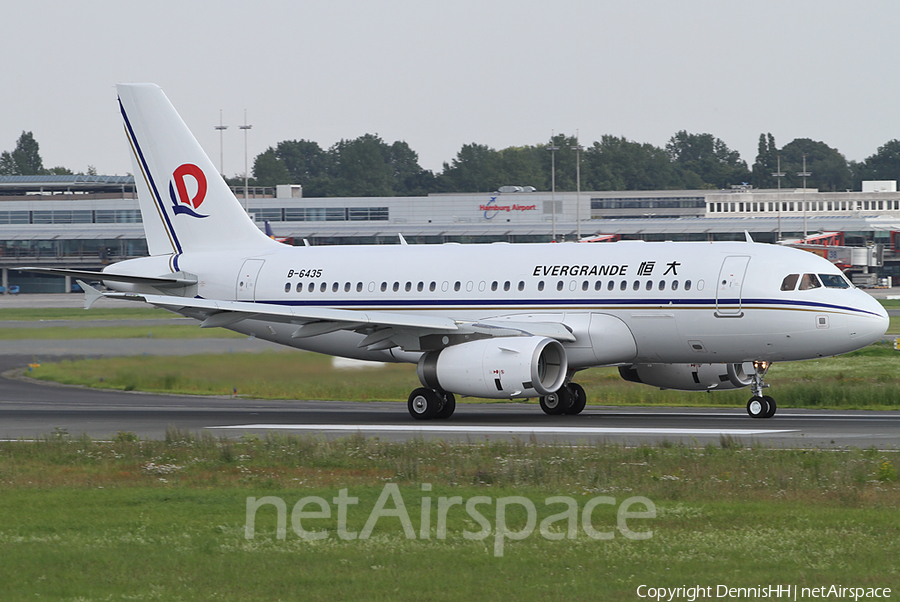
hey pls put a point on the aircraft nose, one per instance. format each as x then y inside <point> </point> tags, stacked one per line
<point>870,324</point>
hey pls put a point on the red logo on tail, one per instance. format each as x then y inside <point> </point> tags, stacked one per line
<point>184,203</point>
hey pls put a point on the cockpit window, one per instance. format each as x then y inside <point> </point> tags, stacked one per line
<point>809,281</point>
<point>789,282</point>
<point>834,281</point>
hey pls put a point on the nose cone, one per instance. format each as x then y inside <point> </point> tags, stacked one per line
<point>870,322</point>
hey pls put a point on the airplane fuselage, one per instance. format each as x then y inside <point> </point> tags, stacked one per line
<point>624,302</point>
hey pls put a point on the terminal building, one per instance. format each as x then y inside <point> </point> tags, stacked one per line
<point>91,221</point>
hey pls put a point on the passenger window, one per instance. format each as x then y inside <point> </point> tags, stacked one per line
<point>494,285</point>
<point>334,287</point>
<point>834,281</point>
<point>456,286</point>
<point>541,285</point>
<point>687,285</point>
<point>359,287</point>
<point>312,287</point>
<point>383,286</point>
<point>559,285</point>
<point>598,285</point>
<point>521,285</point>
<point>432,286</point>
<point>584,285</point>
<point>420,287</point>
<point>299,287</point>
<point>346,287</point>
<point>674,285</point>
<point>662,285</point>
<point>506,285</point>
<point>323,287</point>
<point>790,282</point>
<point>649,286</point>
<point>408,286</point>
<point>809,281</point>
<point>636,285</point>
<point>611,285</point>
<point>623,285</point>
<point>287,287</point>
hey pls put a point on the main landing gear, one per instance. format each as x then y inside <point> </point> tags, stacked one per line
<point>568,399</point>
<point>426,404</point>
<point>760,406</point>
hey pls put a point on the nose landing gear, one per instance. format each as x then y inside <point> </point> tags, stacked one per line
<point>760,406</point>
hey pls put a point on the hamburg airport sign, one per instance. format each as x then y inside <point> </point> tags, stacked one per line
<point>491,208</point>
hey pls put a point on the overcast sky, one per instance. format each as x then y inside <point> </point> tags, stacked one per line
<point>440,74</point>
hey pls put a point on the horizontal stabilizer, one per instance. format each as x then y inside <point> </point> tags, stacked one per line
<point>176,280</point>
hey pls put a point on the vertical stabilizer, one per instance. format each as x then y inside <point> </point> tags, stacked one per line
<point>185,203</point>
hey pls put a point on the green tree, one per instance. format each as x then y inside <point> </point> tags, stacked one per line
<point>362,167</point>
<point>25,160</point>
<point>269,170</point>
<point>883,165</point>
<point>564,159</point>
<point>308,165</point>
<point>705,161</point>
<point>476,168</point>
<point>766,163</point>
<point>522,166</point>
<point>616,163</point>
<point>829,168</point>
<point>409,177</point>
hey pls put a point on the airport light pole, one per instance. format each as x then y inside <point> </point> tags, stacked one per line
<point>578,148</point>
<point>779,174</point>
<point>221,129</point>
<point>245,127</point>
<point>553,150</point>
<point>804,174</point>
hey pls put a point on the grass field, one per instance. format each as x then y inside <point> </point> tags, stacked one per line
<point>166,520</point>
<point>865,379</point>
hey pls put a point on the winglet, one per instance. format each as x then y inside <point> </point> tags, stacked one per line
<point>90,293</point>
<point>747,236</point>
<point>402,240</point>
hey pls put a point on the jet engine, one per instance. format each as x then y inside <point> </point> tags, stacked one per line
<point>690,377</point>
<point>497,368</point>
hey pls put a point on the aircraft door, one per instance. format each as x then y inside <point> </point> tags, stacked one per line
<point>730,284</point>
<point>247,279</point>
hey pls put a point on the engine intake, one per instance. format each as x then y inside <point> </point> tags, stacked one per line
<point>497,368</point>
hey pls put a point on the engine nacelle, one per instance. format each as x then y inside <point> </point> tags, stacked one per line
<point>690,377</point>
<point>497,368</point>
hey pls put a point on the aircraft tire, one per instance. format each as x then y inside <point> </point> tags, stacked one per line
<point>772,406</point>
<point>556,403</point>
<point>447,407</point>
<point>424,404</point>
<point>757,407</point>
<point>579,399</point>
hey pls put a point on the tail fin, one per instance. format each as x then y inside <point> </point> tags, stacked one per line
<point>185,203</point>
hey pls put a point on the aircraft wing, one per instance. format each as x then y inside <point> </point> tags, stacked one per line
<point>383,330</point>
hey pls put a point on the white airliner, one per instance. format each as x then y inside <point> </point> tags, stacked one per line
<point>503,321</point>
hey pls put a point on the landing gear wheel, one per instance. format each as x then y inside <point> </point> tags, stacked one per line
<point>772,406</point>
<point>757,407</point>
<point>579,398</point>
<point>556,403</point>
<point>448,405</point>
<point>424,404</point>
